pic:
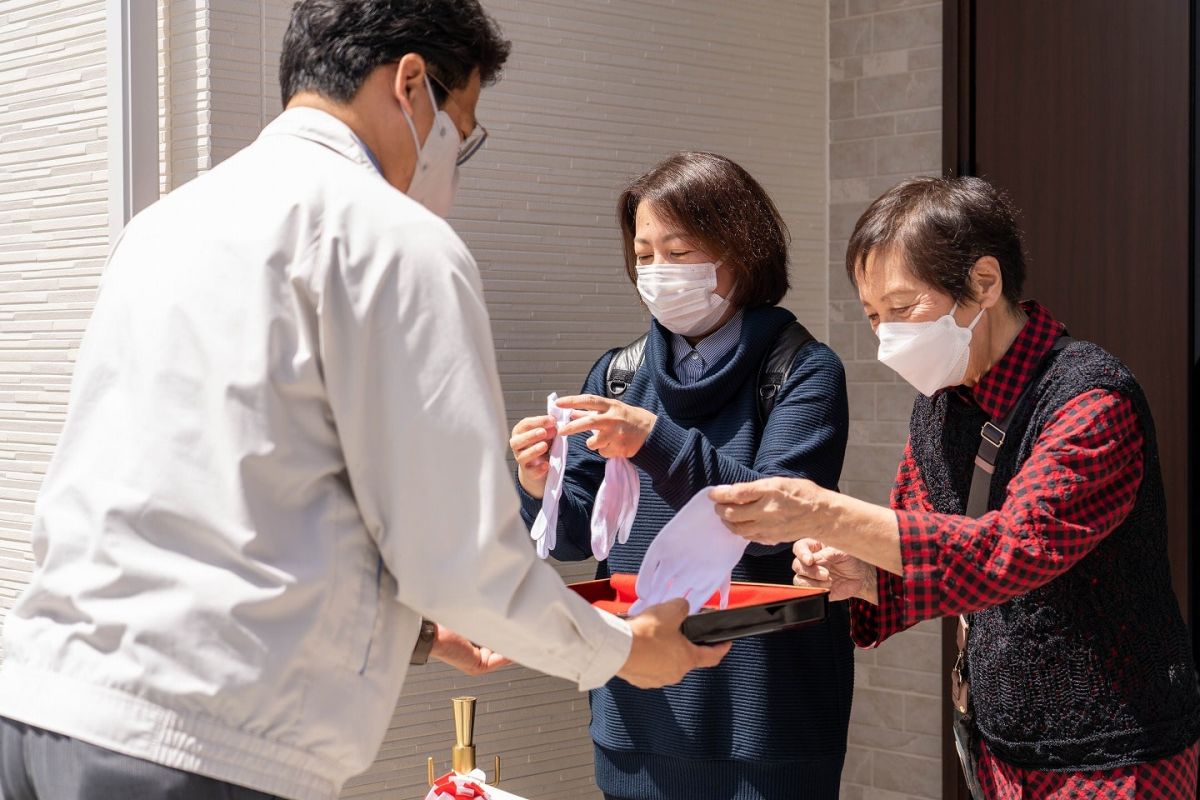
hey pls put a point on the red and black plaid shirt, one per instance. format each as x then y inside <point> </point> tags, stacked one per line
<point>957,564</point>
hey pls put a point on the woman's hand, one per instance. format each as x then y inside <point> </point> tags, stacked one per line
<point>776,510</point>
<point>619,430</point>
<point>820,567</point>
<point>771,510</point>
<point>530,443</point>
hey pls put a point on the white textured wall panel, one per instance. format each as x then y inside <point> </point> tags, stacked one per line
<point>53,238</point>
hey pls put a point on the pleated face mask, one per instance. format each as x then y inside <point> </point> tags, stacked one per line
<point>682,297</point>
<point>929,355</point>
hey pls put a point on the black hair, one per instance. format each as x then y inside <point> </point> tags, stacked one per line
<point>724,211</point>
<point>331,46</point>
<point>941,227</point>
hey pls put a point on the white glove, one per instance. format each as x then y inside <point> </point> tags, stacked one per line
<point>615,507</point>
<point>692,557</point>
<point>545,527</point>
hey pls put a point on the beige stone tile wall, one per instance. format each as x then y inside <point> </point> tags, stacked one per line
<point>885,125</point>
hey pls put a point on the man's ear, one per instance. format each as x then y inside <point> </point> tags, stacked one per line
<point>409,79</point>
<point>987,281</point>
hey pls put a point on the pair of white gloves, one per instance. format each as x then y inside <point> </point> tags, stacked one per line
<point>692,556</point>
<point>616,500</point>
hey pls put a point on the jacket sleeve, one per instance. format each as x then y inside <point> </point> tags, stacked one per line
<point>805,436</point>
<point>412,387</point>
<point>585,473</point>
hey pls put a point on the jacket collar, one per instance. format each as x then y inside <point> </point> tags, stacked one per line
<point>324,129</point>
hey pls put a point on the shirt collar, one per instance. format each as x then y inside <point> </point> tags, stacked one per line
<point>712,348</point>
<point>1000,387</point>
<point>324,129</point>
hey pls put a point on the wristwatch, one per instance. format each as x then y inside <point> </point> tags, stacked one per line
<point>425,640</point>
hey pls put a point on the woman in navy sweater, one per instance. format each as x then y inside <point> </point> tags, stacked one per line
<point>707,250</point>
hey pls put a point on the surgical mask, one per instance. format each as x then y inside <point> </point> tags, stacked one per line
<point>435,178</point>
<point>929,355</point>
<point>682,297</point>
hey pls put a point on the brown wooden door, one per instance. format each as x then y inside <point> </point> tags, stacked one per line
<point>1081,111</point>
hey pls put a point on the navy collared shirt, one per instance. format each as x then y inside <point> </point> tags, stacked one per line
<point>692,362</point>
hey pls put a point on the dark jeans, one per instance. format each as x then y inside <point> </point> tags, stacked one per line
<point>39,765</point>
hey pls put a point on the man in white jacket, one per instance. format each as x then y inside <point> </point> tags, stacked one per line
<point>285,446</point>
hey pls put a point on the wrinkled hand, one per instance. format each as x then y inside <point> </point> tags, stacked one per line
<point>464,655</point>
<point>618,430</point>
<point>530,443</point>
<point>661,654</point>
<point>771,510</point>
<point>844,576</point>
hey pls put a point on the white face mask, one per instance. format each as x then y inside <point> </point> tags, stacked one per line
<point>682,297</point>
<point>435,178</point>
<point>929,355</point>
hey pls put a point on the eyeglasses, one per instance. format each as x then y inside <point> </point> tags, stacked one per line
<point>474,141</point>
<point>471,145</point>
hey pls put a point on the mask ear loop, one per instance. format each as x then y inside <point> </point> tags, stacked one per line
<point>974,322</point>
<point>412,126</point>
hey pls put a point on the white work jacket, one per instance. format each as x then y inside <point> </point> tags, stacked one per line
<point>285,444</point>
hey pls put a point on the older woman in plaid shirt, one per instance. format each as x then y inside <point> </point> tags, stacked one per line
<point>1082,682</point>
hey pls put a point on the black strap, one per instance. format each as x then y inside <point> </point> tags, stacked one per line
<point>778,365</point>
<point>624,365</point>
<point>772,374</point>
<point>991,439</point>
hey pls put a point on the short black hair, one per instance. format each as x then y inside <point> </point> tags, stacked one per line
<point>331,46</point>
<point>724,211</point>
<point>942,226</point>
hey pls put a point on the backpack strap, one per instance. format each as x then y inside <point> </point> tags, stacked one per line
<point>624,365</point>
<point>778,365</point>
<point>772,374</point>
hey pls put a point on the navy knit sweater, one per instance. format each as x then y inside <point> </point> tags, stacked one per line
<point>771,720</point>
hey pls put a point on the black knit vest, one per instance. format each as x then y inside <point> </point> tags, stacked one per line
<point>1093,670</point>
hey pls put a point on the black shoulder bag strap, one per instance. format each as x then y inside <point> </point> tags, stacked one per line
<point>778,365</point>
<point>624,365</point>
<point>991,439</point>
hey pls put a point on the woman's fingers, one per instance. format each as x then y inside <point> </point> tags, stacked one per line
<point>529,423</point>
<point>526,457</point>
<point>805,582</point>
<point>530,438</point>
<point>741,514</point>
<point>587,422</point>
<point>586,402</point>
<point>811,570</point>
<point>807,551</point>
<point>737,494</point>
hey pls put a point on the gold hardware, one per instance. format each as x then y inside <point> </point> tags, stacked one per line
<point>462,755</point>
